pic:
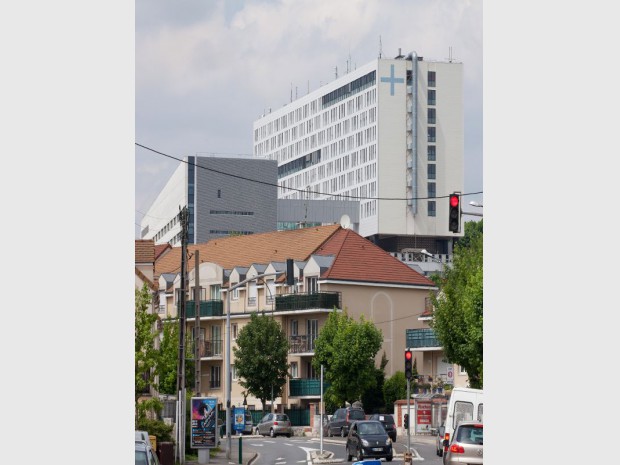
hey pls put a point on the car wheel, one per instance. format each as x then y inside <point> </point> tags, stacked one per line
<point>329,432</point>
<point>288,435</point>
<point>349,456</point>
<point>440,452</point>
<point>272,433</point>
<point>389,458</point>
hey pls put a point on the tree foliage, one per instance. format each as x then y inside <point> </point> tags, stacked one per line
<point>261,357</point>
<point>458,314</point>
<point>347,350</point>
<point>146,354</point>
<point>395,388</point>
<point>168,357</point>
<point>372,398</point>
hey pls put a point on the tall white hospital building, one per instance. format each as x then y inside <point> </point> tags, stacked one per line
<point>389,134</point>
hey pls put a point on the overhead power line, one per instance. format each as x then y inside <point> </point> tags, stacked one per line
<point>356,197</point>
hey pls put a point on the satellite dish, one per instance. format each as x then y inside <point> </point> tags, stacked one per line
<point>345,221</point>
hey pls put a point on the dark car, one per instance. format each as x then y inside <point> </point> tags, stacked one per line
<point>340,422</point>
<point>368,439</point>
<point>388,423</point>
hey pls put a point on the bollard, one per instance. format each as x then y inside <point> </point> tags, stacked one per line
<point>240,451</point>
<point>408,457</point>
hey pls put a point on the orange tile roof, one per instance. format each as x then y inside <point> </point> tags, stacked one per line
<point>358,259</point>
<point>145,250</point>
<point>232,251</point>
<point>160,249</point>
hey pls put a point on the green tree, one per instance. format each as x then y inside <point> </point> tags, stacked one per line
<point>261,357</point>
<point>168,357</point>
<point>347,350</point>
<point>146,353</point>
<point>372,398</point>
<point>458,307</point>
<point>395,388</point>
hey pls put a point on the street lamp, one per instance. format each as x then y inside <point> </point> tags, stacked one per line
<point>228,374</point>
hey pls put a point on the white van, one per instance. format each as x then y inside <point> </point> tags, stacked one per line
<point>465,404</point>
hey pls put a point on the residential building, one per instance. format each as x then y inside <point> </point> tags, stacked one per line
<point>389,134</point>
<point>335,270</point>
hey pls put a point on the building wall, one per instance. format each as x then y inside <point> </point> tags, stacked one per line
<point>231,204</point>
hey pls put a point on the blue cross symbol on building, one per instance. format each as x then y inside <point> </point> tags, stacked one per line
<point>392,80</point>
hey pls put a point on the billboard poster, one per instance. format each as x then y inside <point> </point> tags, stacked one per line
<point>423,416</point>
<point>239,416</point>
<point>204,422</point>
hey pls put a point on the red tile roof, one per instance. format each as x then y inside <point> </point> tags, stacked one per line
<point>229,252</point>
<point>358,259</point>
<point>145,251</point>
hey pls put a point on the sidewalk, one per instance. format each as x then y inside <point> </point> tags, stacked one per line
<point>220,457</point>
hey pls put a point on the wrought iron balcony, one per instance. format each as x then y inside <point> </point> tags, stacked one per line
<point>207,308</point>
<point>303,301</point>
<point>303,387</point>
<point>420,338</point>
<point>208,348</point>
<point>301,344</point>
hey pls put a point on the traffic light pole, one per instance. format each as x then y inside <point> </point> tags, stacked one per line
<point>408,417</point>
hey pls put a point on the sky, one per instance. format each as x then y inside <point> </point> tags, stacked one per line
<point>206,71</point>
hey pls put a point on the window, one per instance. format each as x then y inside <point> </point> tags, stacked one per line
<point>431,79</point>
<point>313,285</point>
<point>252,294</point>
<point>432,208</point>
<point>432,116</point>
<point>233,370</point>
<point>216,290</point>
<point>235,293</point>
<point>431,172</point>
<point>234,330</point>
<point>462,370</point>
<point>294,328</point>
<point>431,152</point>
<point>294,370</point>
<point>432,137</point>
<point>219,193</point>
<point>431,97</point>
<point>271,291</point>
<point>215,381</point>
<point>431,190</point>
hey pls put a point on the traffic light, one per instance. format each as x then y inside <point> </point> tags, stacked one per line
<point>454,216</point>
<point>406,421</point>
<point>408,364</point>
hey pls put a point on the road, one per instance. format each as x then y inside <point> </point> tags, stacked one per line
<point>297,450</point>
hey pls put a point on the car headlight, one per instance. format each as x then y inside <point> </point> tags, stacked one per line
<point>365,443</point>
<point>388,442</point>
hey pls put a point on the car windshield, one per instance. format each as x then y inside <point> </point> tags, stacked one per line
<point>356,415</point>
<point>470,434</point>
<point>281,418</point>
<point>141,458</point>
<point>370,428</point>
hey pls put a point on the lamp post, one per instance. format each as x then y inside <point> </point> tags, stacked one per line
<point>228,374</point>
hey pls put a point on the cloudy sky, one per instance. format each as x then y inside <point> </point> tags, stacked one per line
<point>205,71</point>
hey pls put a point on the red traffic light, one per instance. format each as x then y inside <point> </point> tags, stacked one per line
<point>454,200</point>
<point>408,355</point>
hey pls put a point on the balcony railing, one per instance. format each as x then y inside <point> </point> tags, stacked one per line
<point>208,348</point>
<point>307,301</point>
<point>217,384</point>
<point>420,338</point>
<point>301,344</point>
<point>306,387</point>
<point>207,308</point>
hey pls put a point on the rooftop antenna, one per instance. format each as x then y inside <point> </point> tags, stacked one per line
<point>450,54</point>
<point>291,91</point>
<point>308,86</point>
<point>380,47</point>
<point>336,72</point>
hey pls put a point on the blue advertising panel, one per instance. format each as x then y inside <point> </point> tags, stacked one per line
<point>239,416</point>
<point>204,422</point>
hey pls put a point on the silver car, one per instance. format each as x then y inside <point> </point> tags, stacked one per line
<point>465,446</point>
<point>275,424</point>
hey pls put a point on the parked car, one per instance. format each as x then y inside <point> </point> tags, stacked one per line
<point>387,421</point>
<point>465,446</point>
<point>275,424</point>
<point>341,420</point>
<point>368,438</point>
<point>439,440</point>
<point>145,455</point>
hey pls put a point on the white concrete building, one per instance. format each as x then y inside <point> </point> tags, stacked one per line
<point>389,134</point>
